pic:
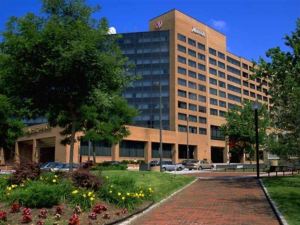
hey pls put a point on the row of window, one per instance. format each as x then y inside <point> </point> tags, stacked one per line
<point>191,63</point>
<point>192,129</point>
<point>192,118</point>
<point>191,52</point>
<point>215,131</point>
<point>190,41</point>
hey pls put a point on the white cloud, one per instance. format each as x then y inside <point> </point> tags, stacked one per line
<point>219,24</point>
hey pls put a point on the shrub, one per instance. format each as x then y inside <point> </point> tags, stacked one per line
<point>24,172</point>
<point>109,166</point>
<point>82,197</point>
<point>38,194</point>
<point>83,178</point>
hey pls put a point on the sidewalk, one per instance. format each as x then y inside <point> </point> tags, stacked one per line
<point>217,201</point>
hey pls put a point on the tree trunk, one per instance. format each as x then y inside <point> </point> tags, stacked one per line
<point>94,152</point>
<point>72,146</point>
<point>89,151</point>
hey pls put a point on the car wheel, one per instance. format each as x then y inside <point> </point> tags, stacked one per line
<point>164,169</point>
<point>179,168</point>
<point>201,168</point>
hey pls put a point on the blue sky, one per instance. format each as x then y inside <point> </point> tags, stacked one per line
<point>251,26</point>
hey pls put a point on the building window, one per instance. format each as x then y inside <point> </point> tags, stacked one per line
<point>181,37</point>
<point>213,112</point>
<point>181,70</point>
<point>233,79</point>
<point>182,116</point>
<point>192,42</point>
<point>221,65</point>
<point>181,48</point>
<point>234,98</point>
<point>233,61</point>
<point>231,106</point>
<point>252,86</point>
<point>192,52</point>
<point>234,70</point>
<point>192,96</point>
<point>201,56</point>
<point>212,61</point>
<point>212,51</point>
<point>246,75</point>
<point>202,120</point>
<point>213,101</point>
<point>202,109</point>
<point>259,97</point>
<point>252,94</point>
<point>192,63</point>
<point>182,105</point>
<point>222,104</point>
<point>222,74</point>
<point>193,130</point>
<point>182,128</point>
<point>222,94</point>
<point>192,74</point>
<point>202,131</point>
<point>222,113</point>
<point>181,59</point>
<point>246,92</point>
<point>201,77</point>
<point>132,149</point>
<point>193,118</point>
<point>192,107</point>
<point>233,88</point>
<point>201,67</point>
<point>213,91</point>
<point>181,82</point>
<point>222,84</point>
<point>245,66</point>
<point>201,46</point>
<point>201,98</point>
<point>201,87</point>
<point>181,93</point>
<point>192,85</point>
<point>245,83</point>
<point>212,71</point>
<point>213,81</point>
<point>216,133</point>
<point>265,98</point>
<point>221,55</point>
<point>258,88</point>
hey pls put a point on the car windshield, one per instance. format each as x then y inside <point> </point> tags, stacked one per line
<point>167,162</point>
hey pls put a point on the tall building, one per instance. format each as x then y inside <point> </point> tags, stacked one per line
<point>186,64</point>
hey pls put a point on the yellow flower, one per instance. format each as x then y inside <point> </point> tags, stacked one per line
<point>106,177</point>
<point>111,186</point>
<point>119,193</point>
<point>74,192</point>
<point>110,191</point>
<point>123,198</point>
<point>90,193</point>
<point>9,188</point>
<point>142,195</point>
<point>55,176</point>
<point>92,199</point>
<point>150,189</point>
<point>22,185</point>
<point>84,195</point>
<point>54,180</point>
<point>128,194</point>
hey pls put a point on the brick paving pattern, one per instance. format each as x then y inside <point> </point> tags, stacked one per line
<point>230,201</point>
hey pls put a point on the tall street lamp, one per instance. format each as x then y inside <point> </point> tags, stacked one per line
<point>187,138</point>
<point>160,127</point>
<point>256,107</point>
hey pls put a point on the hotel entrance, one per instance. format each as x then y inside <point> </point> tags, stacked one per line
<point>217,155</point>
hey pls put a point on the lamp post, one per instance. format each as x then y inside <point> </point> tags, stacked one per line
<point>160,128</point>
<point>255,107</point>
<point>187,138</point>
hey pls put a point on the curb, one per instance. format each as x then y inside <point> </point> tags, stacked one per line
<point>278,214</point>
<point>142,212</point>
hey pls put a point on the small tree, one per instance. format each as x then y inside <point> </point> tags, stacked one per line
<point>52,64</point>
<point>282,70</point>
<point>240,128</point>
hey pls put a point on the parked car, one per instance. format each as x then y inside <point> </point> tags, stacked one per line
<point>49,165</point>
<point>198,165</point>
<point>167,165</point>
<point>65,167</point>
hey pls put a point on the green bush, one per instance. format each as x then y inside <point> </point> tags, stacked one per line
<point>3,185</point>
<point>82,197</point>
<point>109,166</point>
<point>124,192</point>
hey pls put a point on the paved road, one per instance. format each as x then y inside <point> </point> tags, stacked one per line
<point>220,200</point>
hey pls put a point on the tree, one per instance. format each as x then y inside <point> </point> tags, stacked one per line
<point>10,126</point>
<point>54,63</point>
<point>282,70</point>
<point>240,128</point>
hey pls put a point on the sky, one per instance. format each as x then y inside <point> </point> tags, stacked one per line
<point>251,26</point>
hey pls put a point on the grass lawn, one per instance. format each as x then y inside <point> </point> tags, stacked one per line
<point>285,191</point>
<point>163,184</point>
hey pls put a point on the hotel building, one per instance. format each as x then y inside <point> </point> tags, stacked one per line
<point>199,79</point>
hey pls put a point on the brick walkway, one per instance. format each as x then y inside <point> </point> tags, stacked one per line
<point>215,201</point>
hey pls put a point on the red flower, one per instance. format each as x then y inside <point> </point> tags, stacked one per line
<point>3,216</point>
<point>59,210</point>
<point>26,219</point>
<point>74,220</point>
<point>40,222</point>
<point>93,216</point>
<point>15,207</point>
<point>26,211</point>
<point>99,208</point>
<point>43,213</point>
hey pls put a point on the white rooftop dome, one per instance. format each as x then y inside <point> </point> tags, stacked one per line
<point>112,30</point>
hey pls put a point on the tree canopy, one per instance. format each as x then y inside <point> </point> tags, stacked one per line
<point>240,128</point>
<point>282,70</point>
<point>62,62</point>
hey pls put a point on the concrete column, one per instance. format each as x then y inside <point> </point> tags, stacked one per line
<point>226,157</point>
<point>175,153</point>
<point>35,154</point>
<point>17,153</point>
<point>2,158</point>
<point>115,150</point>
<point>196,152</point>
<point>148,151</point>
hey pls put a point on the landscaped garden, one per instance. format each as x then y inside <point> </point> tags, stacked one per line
<point>81,197</point>
<point>285,191</point>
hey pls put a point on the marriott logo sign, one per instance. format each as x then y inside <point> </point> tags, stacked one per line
<point>198,31</point>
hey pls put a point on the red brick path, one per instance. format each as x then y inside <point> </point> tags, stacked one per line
<point>215,201</point>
